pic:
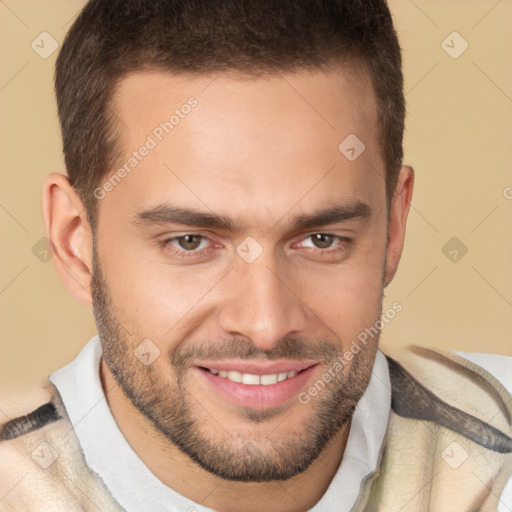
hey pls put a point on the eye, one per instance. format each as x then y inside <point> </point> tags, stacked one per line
<point>188,243</point>
<point>325,247</point>
<point>323,240</point>
<point>190,248</point>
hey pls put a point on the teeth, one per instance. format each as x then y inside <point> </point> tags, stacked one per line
<point>268,379</point>
<point>235,376</point>
<point>253,380</point>
<point>248,378</point>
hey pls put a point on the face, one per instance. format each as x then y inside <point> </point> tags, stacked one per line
<point>242,245</point>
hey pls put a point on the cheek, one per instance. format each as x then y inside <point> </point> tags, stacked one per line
<point>158,301</point>
<point>347,299</point>
<point>348,305</point>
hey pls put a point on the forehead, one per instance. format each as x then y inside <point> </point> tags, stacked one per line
<point>270,139</point>
<point>335,100</point>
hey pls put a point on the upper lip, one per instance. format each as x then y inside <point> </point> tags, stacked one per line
<point>257,367</point>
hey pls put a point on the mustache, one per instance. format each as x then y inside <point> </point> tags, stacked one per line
<point>242,348</point>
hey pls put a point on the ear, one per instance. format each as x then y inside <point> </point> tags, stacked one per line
<point>69,234</point>
<point>399,210</point>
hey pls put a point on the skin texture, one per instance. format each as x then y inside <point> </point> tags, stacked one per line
<point>262,152</point>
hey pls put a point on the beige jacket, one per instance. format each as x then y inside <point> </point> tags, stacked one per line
<point>448,446</point>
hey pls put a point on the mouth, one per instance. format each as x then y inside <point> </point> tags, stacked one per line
<point>252,379</point>
<point>254,385</point>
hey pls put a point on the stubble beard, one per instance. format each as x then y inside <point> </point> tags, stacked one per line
<point>227,454</point>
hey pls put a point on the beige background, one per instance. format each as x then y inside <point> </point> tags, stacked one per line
<point>458,138</point>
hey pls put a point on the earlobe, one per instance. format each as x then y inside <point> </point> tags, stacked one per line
<point>69,234</point>
<point>399,210</point>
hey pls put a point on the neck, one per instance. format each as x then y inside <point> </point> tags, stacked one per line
<point>177,471</point>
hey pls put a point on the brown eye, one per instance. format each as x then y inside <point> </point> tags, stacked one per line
<point>189,242</point>
<point>322,240</point>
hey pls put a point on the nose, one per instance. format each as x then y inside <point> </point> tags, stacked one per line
<point>260,303</point>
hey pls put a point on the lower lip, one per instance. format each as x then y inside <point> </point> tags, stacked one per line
<point>256,396</point>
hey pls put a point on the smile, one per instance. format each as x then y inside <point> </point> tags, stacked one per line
<point>255,385</point>
<point>253,380</point>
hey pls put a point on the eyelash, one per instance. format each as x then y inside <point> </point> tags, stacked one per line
<point>341,246</point>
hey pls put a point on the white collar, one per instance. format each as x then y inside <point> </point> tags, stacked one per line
<point>137,489</point>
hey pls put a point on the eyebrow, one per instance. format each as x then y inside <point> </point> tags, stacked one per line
<point>170,214</point>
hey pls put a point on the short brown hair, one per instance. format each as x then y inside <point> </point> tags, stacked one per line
<point>111,38</point>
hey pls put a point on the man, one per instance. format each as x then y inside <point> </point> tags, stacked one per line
<point>235,206</point>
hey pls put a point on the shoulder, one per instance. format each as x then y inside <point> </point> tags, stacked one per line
<point>27,419</point>
<point>498,365</point>
<point>30,422</point>
<point>27,412</point>
<point>42,465</point>
<point>454,392</point>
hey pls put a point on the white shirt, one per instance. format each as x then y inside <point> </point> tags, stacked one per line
<point>137,489</point>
